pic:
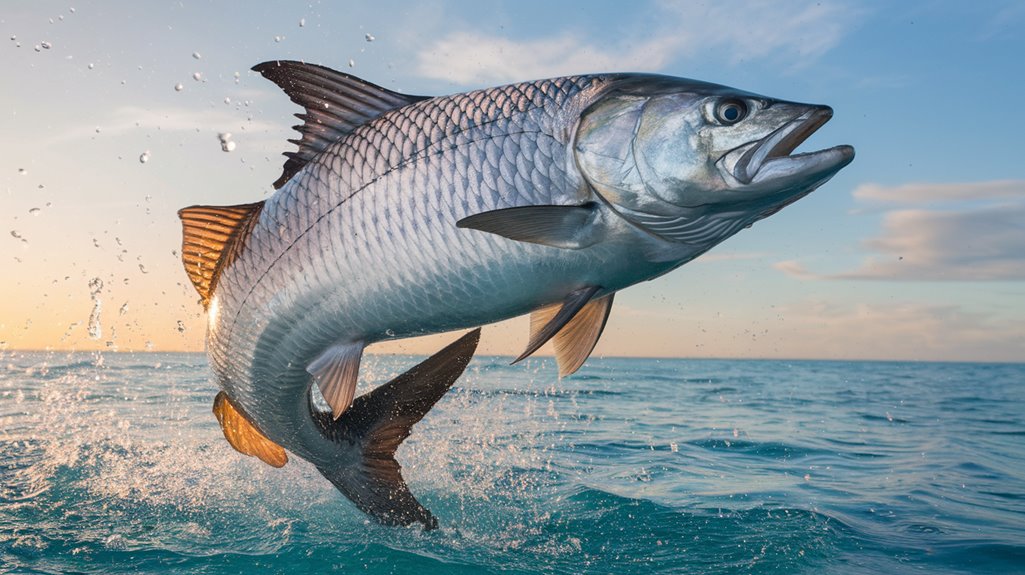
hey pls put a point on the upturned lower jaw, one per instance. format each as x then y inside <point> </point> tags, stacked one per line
<point>749,160</point>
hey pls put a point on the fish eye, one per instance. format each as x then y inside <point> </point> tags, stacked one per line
<point>729,112</point>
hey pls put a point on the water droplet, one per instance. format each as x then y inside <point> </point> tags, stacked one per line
<point>46,45</point>
<point>178,87</point>
<point>181,327</point>
<point>227,100</point>
<point>91,65</point>
<point>278,38</point>
<point>197,55</point>
<point>123,310</point>
<point>97,129</point>
<point>14,38</point>
<point>224,136</point>
<point>197,76</point>
<point>35,211</point>
<point>60,17</point>
<point>144,157</point>
<point>95,329</point>
<point>352,63</point>
<point>142,269</point>
<point>228,146</point>
<point>149,345</point>
<point>37,48</point>
<point>389,332</point>
<point>302,23</point>
<point>72,9</point>
<point>370,37</point>
<point>18,236</point>
<point>22,172</point>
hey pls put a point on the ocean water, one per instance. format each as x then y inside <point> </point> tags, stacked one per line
<point>113,463</point>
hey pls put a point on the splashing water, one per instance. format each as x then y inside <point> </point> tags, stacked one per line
<point>95,328</point>
<point>113,463</point>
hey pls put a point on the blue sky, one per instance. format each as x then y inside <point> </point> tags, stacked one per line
<point>915,251</point>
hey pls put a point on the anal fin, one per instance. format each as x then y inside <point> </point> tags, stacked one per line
<point>549,324</point>
<point>336,372</point>
<point>244,436</point>
<point>576,340</point>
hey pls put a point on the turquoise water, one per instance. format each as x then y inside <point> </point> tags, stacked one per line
<point>114,464</point>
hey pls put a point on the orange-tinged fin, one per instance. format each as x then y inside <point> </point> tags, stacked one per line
<point>336,104</point>
<point>549,324</point>
<point>244,436</point>
<point>576,340</point>
<point>212,236</point>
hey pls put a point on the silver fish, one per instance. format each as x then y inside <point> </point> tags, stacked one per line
<point>406,215</point>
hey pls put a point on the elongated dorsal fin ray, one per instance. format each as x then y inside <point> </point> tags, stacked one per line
<point>380,421</point>
<point>576,340</point>
<point>212,236</point>
<point>244,436</point>
<point>336,104</point>
<point>540,332</point>
<point>336,372</point>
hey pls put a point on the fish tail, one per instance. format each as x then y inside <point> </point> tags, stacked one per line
<point>379,421</point>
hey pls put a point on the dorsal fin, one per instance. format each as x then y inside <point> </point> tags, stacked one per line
<point>244,436</point>
<point>336,104</point>
<point>212,236</point>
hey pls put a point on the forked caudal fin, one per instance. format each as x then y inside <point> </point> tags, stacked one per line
<point>379,421</point>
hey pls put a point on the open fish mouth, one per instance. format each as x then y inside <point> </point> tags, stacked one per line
<point>770,159</point>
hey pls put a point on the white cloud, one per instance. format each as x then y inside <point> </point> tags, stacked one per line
<point>731,32</point>
<point>923,192</point>
<point>976,235</point>
<point>470,57</point>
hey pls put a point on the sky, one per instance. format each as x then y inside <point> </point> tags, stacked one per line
<point>113,115</point>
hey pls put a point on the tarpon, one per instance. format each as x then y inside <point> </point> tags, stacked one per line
<point>404,215</point>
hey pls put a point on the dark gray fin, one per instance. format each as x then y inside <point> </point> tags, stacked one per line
<point>336,371</point>
<point>212,237</point>
<point>574,343</point>
<point>570,227</point>
<point>569,308</point>
<point>379,421</point>
<point>244,436</point>
<point>336,104</point>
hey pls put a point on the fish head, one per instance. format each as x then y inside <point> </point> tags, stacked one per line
<point>667,151</point>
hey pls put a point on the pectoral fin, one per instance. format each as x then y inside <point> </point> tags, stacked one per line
<point>570,227</point>
<point>244,436</point>
<point>336,372</point>
<point>543,330</point>
<point>575,341</point>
